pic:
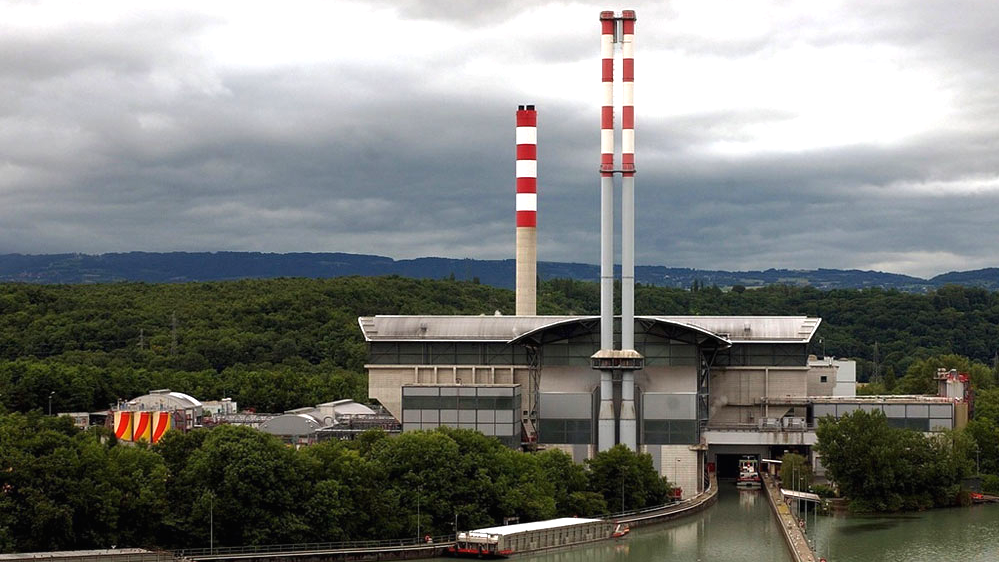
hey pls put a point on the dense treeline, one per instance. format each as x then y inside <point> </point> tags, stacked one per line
<point>61,488</point>
<point>883,468</point>
<point>270,344</point>
<point>282,343</point>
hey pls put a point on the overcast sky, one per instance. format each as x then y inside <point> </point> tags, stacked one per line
<point>852,134</point>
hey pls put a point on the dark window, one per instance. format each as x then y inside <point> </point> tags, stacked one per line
<point>667,432</point>
<point>565,431</point>
<point>824,378</point>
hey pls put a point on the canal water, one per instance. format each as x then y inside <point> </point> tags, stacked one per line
<point>959,534</point>
<point>739,527</point>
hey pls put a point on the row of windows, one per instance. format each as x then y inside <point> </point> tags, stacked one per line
<point>573,353</point>
<point>459,416</point>
<point>921,424</point>
<point>761,355</point>
<point>461,402</point>
<point>488,429</point>
<point>444,353</point>
<point>668,432</point>
<point>576,432</point>
<point>577,353</point>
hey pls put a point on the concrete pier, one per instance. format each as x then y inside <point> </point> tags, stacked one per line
<point>797,543</point>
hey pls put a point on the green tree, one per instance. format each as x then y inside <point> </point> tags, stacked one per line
<point>795,472</point>
<point>570,485</point>
<point>626,479</point>
<point>249,483</point>
<point>882,468</point>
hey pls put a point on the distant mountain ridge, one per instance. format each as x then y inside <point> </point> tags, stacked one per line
<point>172,267</point>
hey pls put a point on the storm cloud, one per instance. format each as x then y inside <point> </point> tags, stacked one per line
<point>769,134</point>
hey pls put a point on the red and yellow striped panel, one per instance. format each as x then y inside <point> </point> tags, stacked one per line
<point>123,425</point>
<point>141,427</point>
<point>161,424</point>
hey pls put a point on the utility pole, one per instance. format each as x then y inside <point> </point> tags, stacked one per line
<point>51,394</point>
<point>142,338</point>
<point>876,376</point>
<point>622,490</point>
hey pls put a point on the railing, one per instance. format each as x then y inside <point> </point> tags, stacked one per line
<point>772,428</point>
<point>384,544</point>
<point>673,504</point>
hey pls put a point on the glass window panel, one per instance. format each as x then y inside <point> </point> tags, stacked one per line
<point>897,422</point>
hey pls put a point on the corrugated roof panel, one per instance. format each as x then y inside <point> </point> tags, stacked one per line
<point>534,526</point>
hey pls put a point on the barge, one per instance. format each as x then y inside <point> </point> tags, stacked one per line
<point>508,540</point>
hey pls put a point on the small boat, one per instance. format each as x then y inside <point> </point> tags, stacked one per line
<point>621,530</point>
<point>749,474</point>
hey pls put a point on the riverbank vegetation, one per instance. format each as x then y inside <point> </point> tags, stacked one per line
<point>62,488</point>
<point>884,468</point>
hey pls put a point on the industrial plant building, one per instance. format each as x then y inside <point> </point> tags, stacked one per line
<point>531,378</point>
<point>694,392</point>
<point>712,388</point>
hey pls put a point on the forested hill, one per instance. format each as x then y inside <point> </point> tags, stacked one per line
<point>283,343</point>
<point>219,266</point>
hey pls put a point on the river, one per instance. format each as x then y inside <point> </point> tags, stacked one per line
<point>959,534</point>
<point>740,527</point>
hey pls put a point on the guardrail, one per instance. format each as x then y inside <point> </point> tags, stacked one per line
<point>674,504</point>
<point>313,547</point>
<point>761,427</point>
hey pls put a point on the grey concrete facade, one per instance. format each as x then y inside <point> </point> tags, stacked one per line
<point>703,378</point>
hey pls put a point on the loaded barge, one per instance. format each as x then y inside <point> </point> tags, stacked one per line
<point>498,542</point>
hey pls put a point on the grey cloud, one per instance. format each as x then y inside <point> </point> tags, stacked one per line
<point>98,154</point>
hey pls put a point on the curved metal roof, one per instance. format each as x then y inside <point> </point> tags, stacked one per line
<point>723,330</point>
<point>194,401</point>
<point>669,328</point>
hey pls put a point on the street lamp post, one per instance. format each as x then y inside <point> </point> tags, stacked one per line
<point>419,492</point>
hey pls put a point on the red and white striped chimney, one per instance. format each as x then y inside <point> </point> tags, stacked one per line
<point>606,421</point>
<point>617,30</point>
<point>527,210</point>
